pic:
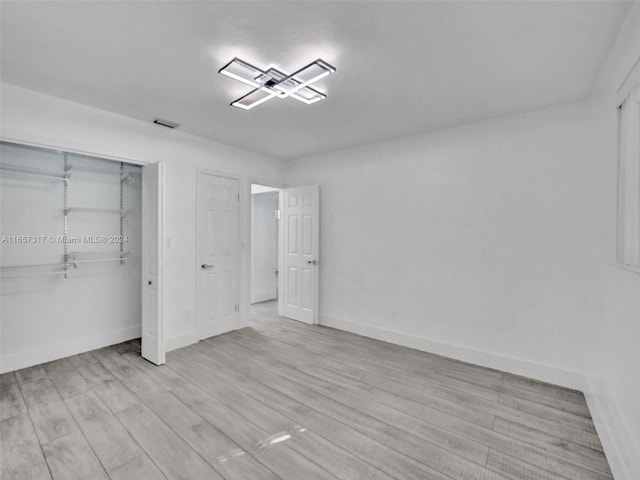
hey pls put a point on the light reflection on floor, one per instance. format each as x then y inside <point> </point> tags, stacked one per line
<point>267,442</point>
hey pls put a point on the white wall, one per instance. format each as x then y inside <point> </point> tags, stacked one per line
<point>32,117</point>
<point>484,242</point>
<point>45,317</point>
<point>495,243</point>
<point>612,352</point>
<point>264,246</point>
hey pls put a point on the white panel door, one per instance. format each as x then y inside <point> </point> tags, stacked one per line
<point>217,255</point>
<point>300,250</point>
<point>152,337</point>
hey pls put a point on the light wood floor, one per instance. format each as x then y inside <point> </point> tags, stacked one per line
<point>288,401</point>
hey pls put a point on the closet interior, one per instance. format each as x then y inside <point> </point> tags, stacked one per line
<point>70,253</point>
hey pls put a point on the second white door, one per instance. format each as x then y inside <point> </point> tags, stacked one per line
<point>217,255</point>
<point>300,250</point>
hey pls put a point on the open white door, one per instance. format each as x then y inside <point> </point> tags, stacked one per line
<point>300,253</point>
<point>152,337</point>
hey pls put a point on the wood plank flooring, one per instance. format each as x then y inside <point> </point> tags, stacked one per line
<point>287,401</point>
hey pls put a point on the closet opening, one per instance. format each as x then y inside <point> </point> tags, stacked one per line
<point>70,254</point>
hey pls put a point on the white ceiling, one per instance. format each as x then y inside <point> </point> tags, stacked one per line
<point>402,67</point>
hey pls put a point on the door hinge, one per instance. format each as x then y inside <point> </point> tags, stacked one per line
<point>237,308</point>
<point>238,197</point>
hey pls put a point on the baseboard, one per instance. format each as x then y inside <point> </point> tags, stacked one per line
<point>16,361</point>
<point>517,366</point>
<point>175,343</point>
<point>618,443</point>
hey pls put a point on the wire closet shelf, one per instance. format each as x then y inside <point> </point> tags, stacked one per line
<point>70,260</point>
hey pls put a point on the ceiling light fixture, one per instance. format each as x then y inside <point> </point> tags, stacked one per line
<point>273,83</point>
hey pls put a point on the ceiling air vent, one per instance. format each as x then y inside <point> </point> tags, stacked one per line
<point>165,123</point>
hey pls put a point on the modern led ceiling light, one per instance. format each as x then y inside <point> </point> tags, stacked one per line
<point>273,83</point>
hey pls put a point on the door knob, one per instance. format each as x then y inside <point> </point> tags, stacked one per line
<point>206,266</point>
<point>312,262</point>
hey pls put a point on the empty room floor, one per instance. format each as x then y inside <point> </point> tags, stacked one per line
<point>284,400</point>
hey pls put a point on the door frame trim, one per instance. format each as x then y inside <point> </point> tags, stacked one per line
<point>240,244</point>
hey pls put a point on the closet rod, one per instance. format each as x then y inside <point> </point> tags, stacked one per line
<point>38,274</point>
<point>17,171</point>
<point>35,265</point>
<point>95,260</point>
<point>68,210</point>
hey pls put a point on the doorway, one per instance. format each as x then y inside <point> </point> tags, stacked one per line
<point>284,252</point>
<point>265,213</point>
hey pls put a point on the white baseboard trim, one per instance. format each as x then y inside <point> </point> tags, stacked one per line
<point>175,343</point>
<point>618,443</point>
<point>16,361</point>
<point>517,366</point>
